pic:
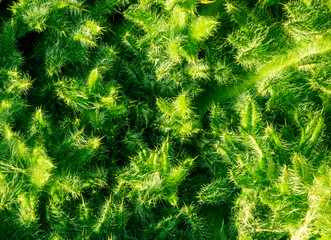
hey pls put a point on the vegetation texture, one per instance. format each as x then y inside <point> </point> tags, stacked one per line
<point>165,119</point>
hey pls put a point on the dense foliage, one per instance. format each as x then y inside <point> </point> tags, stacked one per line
<point>165,119</point>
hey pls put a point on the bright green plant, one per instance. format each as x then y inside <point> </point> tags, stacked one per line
<point>165,119</point>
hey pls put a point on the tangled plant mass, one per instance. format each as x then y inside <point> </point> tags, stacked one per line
<point>165,119</point>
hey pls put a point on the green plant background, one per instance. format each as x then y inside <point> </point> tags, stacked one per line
<point>165,119</point>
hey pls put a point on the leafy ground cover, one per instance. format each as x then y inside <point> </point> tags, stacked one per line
<point>165,119</point>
